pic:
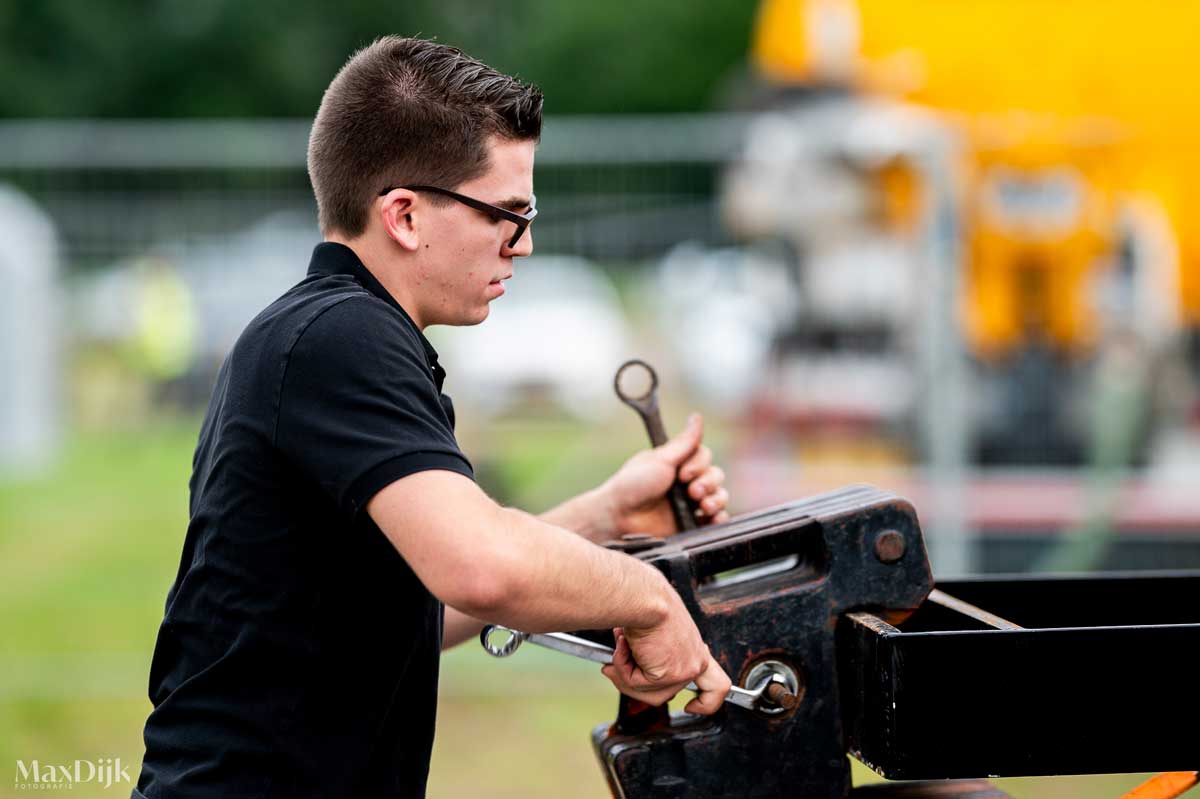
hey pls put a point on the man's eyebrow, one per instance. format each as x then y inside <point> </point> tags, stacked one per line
<point>514,203</point>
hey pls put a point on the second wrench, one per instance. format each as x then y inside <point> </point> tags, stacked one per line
<point>682,506</point>
<point>750,699</point>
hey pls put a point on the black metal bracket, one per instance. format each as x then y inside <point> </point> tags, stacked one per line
<point>769,586</point>
<point>1088,674</point>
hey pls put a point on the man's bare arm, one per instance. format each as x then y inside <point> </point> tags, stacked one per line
<point>588,515</point>
<point>458,627</point>
<point>591,515</point>
<point>505,565</point>
<point>631,501</point>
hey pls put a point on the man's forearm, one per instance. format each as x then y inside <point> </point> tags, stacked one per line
<point>509,567</point>
<point>557,581</point>
<point>459,627</point>
<point>590,515</point>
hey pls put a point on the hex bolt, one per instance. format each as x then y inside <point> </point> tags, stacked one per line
<point>889,546</point>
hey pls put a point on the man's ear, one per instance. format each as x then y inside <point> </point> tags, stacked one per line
<point>397,211</point>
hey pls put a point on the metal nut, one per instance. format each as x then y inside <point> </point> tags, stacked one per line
<point>785,692</point>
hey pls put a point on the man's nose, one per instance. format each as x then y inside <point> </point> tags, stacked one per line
<point>522,248</point>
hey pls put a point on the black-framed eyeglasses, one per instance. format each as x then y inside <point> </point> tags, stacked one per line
<point>522,221</point>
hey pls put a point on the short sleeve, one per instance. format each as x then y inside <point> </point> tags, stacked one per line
<point>358,406</point>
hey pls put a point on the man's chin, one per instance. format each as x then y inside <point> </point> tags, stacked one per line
<point>477,317</point>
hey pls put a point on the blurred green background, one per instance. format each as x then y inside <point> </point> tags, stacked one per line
<point>217,58</point>
<point>162,141</point>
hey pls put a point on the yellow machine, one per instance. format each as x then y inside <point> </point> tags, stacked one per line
<point>1103,87</point>
<point>1077,119</point>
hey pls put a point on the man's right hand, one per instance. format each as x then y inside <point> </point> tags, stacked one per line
<point>653,664</point>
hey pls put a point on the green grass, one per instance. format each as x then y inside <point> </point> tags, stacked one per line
<point>88,551</point>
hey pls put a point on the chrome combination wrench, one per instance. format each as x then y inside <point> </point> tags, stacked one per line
<point>771,692</point>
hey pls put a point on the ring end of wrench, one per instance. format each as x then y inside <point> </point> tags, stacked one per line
<point>503,650</point>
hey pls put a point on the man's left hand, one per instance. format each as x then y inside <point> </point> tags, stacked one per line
<point>637,493</point>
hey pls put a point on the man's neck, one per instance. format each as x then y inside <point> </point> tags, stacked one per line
<point>372,259</point>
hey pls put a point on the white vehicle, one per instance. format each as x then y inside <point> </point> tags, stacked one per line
<point>556,336</point>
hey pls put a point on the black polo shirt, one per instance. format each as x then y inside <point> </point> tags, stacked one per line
<point>298,654</point>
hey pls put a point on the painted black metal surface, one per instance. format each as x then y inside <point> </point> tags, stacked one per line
<point>851,549</point>
<point>1102,679</point>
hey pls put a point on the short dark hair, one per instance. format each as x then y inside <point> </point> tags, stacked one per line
<point>409,111</point>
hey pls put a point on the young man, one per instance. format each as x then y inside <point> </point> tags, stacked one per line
<point>333,518</point>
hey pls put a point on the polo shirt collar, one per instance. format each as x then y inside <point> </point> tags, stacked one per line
<point>332,258</point>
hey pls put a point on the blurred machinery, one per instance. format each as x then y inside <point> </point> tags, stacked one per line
<point>1025,165</point>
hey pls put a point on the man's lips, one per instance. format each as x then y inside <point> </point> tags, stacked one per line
<point>497,286</point>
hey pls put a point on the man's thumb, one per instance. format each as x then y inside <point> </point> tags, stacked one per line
<point>677,449</point>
